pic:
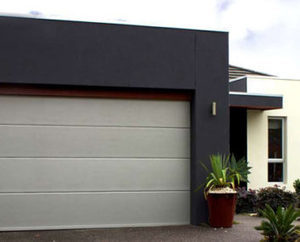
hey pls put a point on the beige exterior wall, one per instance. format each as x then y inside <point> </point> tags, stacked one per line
<point>257,131</point>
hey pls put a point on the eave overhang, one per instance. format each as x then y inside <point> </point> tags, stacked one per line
<point>255,101</point>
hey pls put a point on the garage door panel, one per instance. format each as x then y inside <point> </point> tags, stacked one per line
<point>84,163</point>
<point>97,174</point>
<point>45,141</point>
<point>93,112</point>
<point>84,210</point>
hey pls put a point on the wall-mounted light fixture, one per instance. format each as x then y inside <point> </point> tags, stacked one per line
<point>214,108</point>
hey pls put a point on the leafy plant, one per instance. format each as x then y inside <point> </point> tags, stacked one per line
<point>241,167</point>
<point>225,172</point>
<point>297,190</point>
<point>275,197</point>
<point>297,186</point>
<point>279,226</point>
<point>246,200</point>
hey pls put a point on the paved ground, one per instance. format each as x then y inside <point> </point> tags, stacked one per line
<point>243,231</point>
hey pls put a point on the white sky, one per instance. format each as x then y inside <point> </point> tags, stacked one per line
<point>263,35</point>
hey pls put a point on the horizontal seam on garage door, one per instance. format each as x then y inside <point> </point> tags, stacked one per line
<point>94,126</point>
<point>94,192</point>
<point>94,158</point>
<point>79,157</point>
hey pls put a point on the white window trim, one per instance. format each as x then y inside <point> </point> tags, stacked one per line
<point>283,159</point>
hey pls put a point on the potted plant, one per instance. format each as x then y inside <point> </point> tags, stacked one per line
<point>219,188</point>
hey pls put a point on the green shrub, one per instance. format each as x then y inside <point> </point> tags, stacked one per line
<point>298,200</point>
<point>246,201</point>
<point>279,226</point>
<point>297,186</point>
<point>275,197</point>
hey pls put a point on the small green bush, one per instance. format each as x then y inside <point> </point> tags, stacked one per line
<point>279,226</point>
<point>275,197</point>
<point>246,201</point>
<point>297,186</point>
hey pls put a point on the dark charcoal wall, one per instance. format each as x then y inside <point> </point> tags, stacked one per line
<point>239,85</point>
<point>107,55</point>
<point>77,53</point>
<point>210,134</point>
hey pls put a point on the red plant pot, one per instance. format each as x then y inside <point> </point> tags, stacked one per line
<point>221,209</point>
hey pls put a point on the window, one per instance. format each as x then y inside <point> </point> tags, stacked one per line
<point>276,150</point>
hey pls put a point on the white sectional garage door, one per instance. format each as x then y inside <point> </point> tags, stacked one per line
<point>87,162</point>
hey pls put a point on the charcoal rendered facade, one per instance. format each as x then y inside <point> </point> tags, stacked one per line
<point>105,125</point>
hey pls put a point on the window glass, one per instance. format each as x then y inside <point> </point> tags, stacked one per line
<point>275,172</point>
<point>275,138</point>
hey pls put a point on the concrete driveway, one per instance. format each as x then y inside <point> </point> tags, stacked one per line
<point>243,231</point>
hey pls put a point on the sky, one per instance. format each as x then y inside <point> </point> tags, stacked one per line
<point>263,35</point>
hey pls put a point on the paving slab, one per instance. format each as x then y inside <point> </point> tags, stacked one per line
<point>242,231</point>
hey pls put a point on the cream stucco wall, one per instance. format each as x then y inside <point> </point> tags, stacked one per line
<point>257,130</point>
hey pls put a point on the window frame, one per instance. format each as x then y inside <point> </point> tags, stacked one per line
<point>283,149</point>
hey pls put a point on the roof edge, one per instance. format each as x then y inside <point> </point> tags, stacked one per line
<point>62,19</point>
<point>255,94</point>
<point>272,78</point>
<point>250,70</point>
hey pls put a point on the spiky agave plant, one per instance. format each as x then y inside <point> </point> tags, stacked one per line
<point>222,173</point>
<point>279,226</point>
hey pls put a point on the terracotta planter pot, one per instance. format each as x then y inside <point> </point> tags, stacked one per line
<point>221,209</point>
